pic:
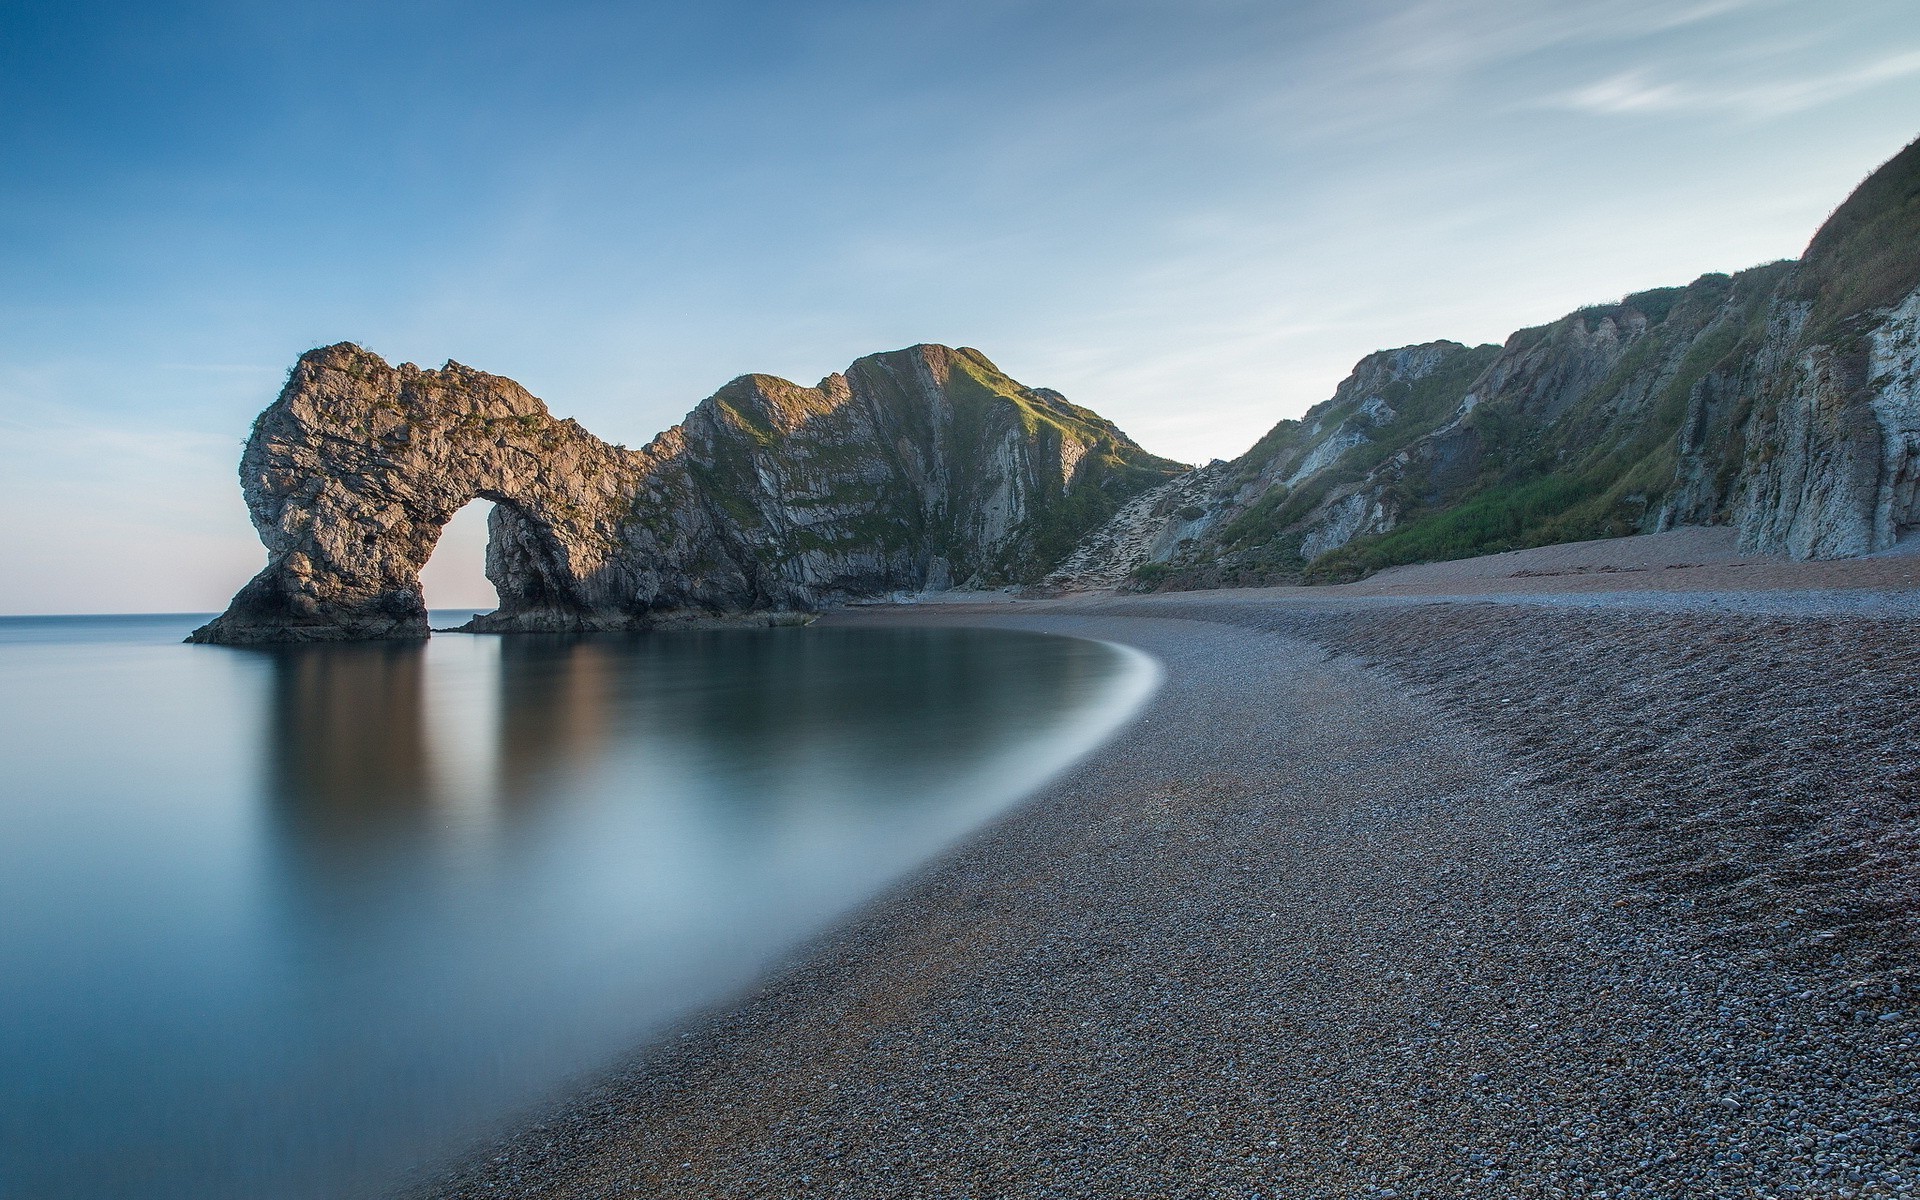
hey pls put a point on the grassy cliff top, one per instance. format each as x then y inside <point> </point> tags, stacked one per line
<point>1867,255</point>
<point>768,406</point>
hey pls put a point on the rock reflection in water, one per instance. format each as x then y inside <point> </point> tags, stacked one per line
<point>558,694</point>
<point>447,876</point>
<point>354,751</point>
<point>347,741</point>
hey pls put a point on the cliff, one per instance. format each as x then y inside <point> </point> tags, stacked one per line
<point>1784,400</point>
<point>920,468</point>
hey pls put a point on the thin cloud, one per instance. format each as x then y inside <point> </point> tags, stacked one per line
<point>1468,35</point>
<point>1637,92</point>
<point>1394,61</point>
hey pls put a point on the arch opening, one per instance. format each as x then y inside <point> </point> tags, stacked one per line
<point>454,580</point>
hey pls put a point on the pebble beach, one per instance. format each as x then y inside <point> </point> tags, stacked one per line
<point>1549,881</point>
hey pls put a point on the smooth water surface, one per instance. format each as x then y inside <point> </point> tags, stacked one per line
<point>290,922</point>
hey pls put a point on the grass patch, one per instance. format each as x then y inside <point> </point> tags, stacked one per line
<point>1500,518</point>
<point>1867,255</point>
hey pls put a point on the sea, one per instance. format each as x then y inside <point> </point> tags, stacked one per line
<point>310,921</point>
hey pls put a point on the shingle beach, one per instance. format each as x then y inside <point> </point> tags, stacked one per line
<point>1525,890</point>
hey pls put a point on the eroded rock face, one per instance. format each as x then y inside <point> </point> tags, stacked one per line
<point>351,474</point>
<point>1783,400</point>
<point>1835,465</point>
<point>919,468</point>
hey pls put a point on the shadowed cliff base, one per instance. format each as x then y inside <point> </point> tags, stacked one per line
<point>920,468</point>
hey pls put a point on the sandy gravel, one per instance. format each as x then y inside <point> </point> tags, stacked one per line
<point>1382,895</point>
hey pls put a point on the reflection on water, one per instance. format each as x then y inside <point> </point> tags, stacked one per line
<point>290,919</point>
<point>557,698</point>
<point>347,744</point>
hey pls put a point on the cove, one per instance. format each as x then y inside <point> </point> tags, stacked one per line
<point>295,920</point>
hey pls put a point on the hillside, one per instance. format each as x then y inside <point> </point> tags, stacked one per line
<point>1781,400</point>
<point>920,468</point>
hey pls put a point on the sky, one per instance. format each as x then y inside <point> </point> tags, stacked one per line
<point>1192,216</point>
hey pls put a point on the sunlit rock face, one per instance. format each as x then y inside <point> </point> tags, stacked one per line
<point>353,471</point>
<point>924,467</point>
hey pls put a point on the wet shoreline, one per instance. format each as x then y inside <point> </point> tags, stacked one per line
<point>1431,898</point>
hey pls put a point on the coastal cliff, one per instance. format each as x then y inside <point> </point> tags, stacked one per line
<point>1783,400</point>
<point>920,468</point>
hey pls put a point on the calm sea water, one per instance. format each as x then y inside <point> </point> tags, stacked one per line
<point>291,922</point>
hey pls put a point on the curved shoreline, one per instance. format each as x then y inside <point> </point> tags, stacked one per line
<point>1332,918</point>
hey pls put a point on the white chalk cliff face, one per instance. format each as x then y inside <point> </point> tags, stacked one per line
<point>919,468</point>
<point>1784,400</point>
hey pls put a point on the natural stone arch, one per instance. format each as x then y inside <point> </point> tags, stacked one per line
<point>351,474</point>
<point>919,467</point>
<point>455,577</point>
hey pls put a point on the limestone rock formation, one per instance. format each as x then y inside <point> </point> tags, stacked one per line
<point>1152,525</point>
<point>1784,400</point>
<point>920,468</point>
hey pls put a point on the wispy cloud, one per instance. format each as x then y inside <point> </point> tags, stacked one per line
<point>1472,34</point>
<point>1640,91</point>
<point>148,472</point>
<point>1393,63</point>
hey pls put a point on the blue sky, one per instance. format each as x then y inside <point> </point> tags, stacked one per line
<point>1192,217</point>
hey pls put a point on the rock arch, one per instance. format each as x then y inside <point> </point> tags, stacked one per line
<point>916,468</point>
<point>456,576</point>
<point>351,474</point>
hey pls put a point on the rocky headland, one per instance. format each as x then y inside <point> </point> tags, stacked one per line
<point>1584,870</point>
<point>921,468</point>
<point>1782,400</point>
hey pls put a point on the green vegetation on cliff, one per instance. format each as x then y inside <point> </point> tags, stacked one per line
<point>1864,256</point>
<point>1605,463</point>
<point>912,458</point>
<point>1080,490</point>
<point>1419,406</point>
<point>1668,407</point>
